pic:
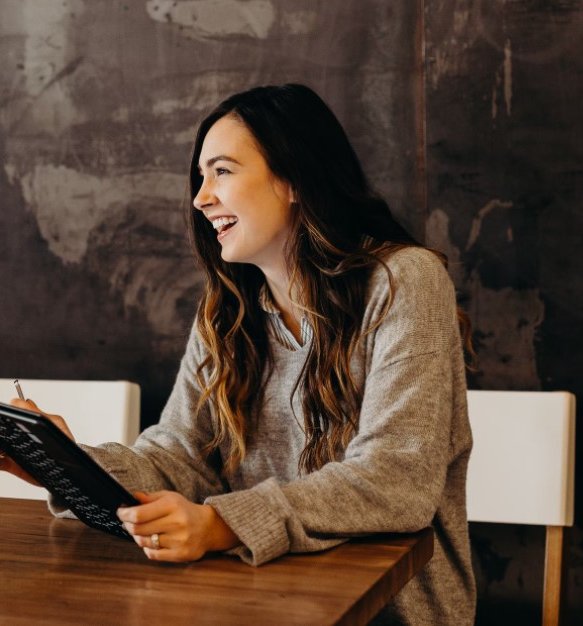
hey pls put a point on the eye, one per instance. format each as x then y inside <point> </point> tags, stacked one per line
<point>219,171</point>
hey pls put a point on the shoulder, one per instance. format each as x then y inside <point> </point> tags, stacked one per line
<point>415,273</point>
<point>415,310</point>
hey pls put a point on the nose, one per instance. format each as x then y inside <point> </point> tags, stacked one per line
<point>205,197</point>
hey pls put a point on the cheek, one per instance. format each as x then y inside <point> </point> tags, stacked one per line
<point>274,223</point>
<point>284,217</point>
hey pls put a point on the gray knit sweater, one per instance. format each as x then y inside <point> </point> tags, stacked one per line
<point>405,469</point>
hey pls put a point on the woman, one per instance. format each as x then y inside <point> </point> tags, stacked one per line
<point>322,393</point>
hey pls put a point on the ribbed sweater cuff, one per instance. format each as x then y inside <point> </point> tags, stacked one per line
<point>259,528</point>
<point>58,508</point>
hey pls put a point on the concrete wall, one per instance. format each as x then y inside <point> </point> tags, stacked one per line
<point>100,100</point>
<point>505,182</point>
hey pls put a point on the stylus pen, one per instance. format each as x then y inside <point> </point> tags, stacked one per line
<point>19,389</point>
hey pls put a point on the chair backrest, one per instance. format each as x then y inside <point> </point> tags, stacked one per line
<point>96,411</point>
<point>522,466</point>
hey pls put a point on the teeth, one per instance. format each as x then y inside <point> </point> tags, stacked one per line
<point>223,221</point>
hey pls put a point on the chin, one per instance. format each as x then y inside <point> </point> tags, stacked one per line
<point>229,257</point>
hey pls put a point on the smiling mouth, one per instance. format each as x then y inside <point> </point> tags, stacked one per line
<point>223,224</point>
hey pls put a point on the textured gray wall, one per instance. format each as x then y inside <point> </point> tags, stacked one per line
<point>100,99</point>
<point>505,143</point>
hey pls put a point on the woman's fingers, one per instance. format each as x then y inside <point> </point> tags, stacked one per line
<point>155,505</point>
<point>167,526</point>
<point>164,524</point>
<point>174,555</point>
<point>157,513</point>
<point>57,420</point>
<point>146,498</point>
<point>166,541</point>
<point>8,465</point>
<point>24,404</point>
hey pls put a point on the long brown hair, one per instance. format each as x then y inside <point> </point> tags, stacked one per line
<point>341,231</point>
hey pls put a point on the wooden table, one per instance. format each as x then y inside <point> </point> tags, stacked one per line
<point>61,572</point>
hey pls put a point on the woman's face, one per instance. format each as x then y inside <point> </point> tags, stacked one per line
<point>248,206</point>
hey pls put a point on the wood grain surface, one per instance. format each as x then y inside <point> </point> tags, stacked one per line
<point>61,572</point>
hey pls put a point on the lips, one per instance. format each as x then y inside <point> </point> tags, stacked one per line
<point>221,224</point>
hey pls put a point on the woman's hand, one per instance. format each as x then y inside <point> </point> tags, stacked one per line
<point>185,531</point>
<point>6,463</point>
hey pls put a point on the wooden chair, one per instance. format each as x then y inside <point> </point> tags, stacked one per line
<point>96,411</point>
<point>522,469</point>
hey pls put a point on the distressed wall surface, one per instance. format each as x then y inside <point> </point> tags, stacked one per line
<point>100,100</point>
<point>505,182</point>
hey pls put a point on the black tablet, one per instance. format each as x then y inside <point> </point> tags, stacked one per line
<point>66,470</point>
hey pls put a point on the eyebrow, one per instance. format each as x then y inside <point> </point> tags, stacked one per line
<point>220,157</point>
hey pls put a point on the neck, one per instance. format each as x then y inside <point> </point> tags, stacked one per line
<point>279,285</point>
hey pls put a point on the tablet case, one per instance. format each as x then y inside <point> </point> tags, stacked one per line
<point>63,468</point>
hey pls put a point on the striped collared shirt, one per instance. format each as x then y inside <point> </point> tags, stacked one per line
<point>281,332</point>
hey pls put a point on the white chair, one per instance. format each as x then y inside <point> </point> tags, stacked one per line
<point>95,411</point>
<point>522,471</point>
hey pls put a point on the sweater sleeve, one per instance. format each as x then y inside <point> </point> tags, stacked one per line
<point>167,455</point>
<point>392,475</point>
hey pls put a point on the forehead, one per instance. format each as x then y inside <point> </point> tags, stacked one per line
<point>228,136</point>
